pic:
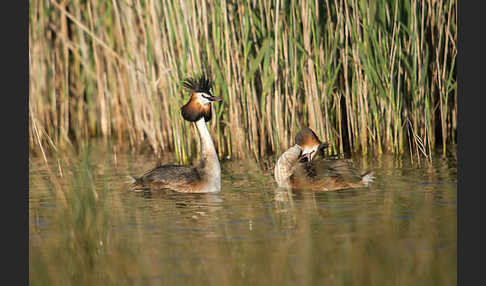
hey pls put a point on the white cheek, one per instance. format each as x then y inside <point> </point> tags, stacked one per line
<point>312,152</point>
<point>202,100</point>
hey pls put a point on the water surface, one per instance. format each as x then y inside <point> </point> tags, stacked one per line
<point>85,228</point>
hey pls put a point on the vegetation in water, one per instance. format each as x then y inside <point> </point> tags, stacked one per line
<point>85,228</point>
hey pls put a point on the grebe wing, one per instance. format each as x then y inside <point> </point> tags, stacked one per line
<point>171,176</point>
<point>339,169</point>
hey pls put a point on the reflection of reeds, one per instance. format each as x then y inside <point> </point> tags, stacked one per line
<point>99,234</point>
<point>362,74</point>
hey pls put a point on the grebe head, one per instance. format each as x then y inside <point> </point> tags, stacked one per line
<point>199,104</point>
<point>310,144</point>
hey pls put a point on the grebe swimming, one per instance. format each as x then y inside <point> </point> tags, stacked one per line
<point>204,178</point>
<point>296,168</point>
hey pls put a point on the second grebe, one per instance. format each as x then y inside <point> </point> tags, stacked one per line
<point>296,169</point>
<point>204,178</point>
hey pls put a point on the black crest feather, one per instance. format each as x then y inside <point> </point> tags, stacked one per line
<point>200,84</point>
<point>193,111</point>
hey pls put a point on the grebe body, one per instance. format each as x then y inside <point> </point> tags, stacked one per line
<point>203,178</point>
<point>296,168</point>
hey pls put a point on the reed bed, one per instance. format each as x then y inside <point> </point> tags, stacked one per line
<point>367,76</point>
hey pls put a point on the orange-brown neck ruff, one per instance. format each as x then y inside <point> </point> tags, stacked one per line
<point>193,110</point>
<point>306,138</point>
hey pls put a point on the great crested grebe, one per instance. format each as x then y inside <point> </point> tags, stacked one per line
<point>296,169</point>
<point>204,178</point>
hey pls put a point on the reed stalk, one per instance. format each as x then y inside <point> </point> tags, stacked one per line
<point>367,76</point>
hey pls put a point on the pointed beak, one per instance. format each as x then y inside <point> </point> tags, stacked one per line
<point>305,157</point>
<point>214,98</point>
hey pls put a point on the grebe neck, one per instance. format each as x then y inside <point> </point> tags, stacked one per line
<point>285,166</point>
<point>209,165</point>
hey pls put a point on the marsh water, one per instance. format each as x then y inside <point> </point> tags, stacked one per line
<point>86,228</point>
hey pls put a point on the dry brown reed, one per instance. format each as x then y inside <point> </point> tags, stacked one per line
<point>367,76</point>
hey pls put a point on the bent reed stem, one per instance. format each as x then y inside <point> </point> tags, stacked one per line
<point>362,74</point>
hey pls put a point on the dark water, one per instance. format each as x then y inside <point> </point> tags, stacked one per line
<point>85,228</point>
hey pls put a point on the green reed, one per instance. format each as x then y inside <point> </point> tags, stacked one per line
<point>365,75</point>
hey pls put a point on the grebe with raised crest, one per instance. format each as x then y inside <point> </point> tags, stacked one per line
<point>203,178</point>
